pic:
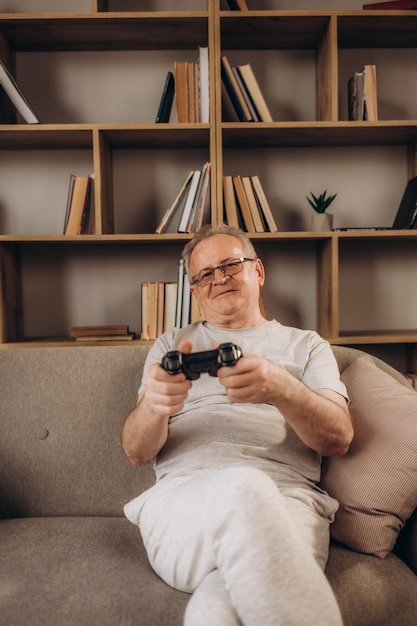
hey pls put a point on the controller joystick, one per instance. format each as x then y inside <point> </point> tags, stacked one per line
<point>197,363</point>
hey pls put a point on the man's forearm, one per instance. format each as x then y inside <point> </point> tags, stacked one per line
<point>320,418</point>
<point>143,433</point>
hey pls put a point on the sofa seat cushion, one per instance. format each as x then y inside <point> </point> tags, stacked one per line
<point>81,571</point>
<point>372,591</point>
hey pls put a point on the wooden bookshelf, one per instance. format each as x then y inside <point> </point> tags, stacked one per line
<point>125,154</point>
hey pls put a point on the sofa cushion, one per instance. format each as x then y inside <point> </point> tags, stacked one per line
<point>376,481</point>
<point>371,591</point>
<point>83,572</point>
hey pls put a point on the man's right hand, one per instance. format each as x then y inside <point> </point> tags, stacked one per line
<point>145,429</point>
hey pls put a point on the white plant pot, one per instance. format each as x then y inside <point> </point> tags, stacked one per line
<point>321,221</point>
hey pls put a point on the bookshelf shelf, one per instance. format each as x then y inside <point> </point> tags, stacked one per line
<point>319,133</point>
<point>105,31</point>
<point>302,58</point>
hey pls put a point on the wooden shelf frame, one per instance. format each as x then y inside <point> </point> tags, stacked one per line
<point>323,32</point>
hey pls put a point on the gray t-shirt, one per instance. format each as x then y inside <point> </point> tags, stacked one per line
<point>211,432</point>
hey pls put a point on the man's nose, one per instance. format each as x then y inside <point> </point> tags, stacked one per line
<point>219,274</point>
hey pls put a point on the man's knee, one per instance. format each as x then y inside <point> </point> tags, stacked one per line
<point>245,487</point>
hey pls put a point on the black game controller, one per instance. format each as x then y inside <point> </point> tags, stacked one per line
<point>198,363</point>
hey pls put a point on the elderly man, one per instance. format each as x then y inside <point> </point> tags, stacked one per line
<point>236,516</point>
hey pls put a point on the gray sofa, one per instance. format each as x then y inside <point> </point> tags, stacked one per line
<point>67,554</point>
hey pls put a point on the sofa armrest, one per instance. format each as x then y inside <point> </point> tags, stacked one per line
<point>406,546</point>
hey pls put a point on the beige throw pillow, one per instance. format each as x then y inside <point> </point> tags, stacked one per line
<point>376,481</point>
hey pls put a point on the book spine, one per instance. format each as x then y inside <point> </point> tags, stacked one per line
<point>167,217</point>
<point>230,203</point>
<point>204,85</point>
<point>181,92</point>
<point>182,228</point>
<point>243,204</point>
<point>255,93</point>
<point>234,92</point>
<point>264,204</point>
<point>165,105</point>
<point>180,292</point>
<point>253,205</point>
<point>246,96</point>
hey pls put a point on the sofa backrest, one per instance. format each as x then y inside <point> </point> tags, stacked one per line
<point>61,410</point>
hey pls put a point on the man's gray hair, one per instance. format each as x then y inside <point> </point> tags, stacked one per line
<point>207,230</point>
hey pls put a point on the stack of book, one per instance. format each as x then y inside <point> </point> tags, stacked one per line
<point>111,332</point>
<point>189,84</point>
<point>190,205</point>
<point>362,95</point>
<point>78,214</point>
<point>244,92</point>
<point>167,304</point>
<point>246,205</point>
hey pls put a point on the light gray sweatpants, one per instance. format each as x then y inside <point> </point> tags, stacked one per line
<point>249,554</point>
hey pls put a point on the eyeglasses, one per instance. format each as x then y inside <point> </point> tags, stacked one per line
<point>229,268</point>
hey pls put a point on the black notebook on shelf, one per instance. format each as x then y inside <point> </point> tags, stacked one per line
<point>406,216</point>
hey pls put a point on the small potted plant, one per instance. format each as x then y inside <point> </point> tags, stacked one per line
<point>320,219</point>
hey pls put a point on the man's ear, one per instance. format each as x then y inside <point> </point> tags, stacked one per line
<point>194,290</point>
<point>259,266</point>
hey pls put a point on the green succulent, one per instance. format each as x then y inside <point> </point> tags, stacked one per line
<point>321,203</point>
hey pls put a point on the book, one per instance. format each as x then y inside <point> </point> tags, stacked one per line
<point>230,202</point>
<point>176,204</point>
<point>167,98</point>
<point>180,292</point>
<point>181,91</point>
<point>197,95</point>
<point>243,204</point>
<point>186,302</point>
<point>192,101</point>
<point>406,216</point>
<point>16,96</point>
<point>238,5</point>
<point>234,92</point>
<point>160,308</point>
<point>255,93</point>
<point>356,97</point>
<point>396,5</point>
<point>197,212</point>
<point>253,205</point>
<point>362,95</point>
<point>90,338</point>
<point>204,86</point>
<point>107,329</point>
<point>188,205</point>
<point>370,94</point>
<point>144,334</point>
<point>246,96</point>
<point>170,305</point>
<point>152,311</point>
<point>69,199</point>
<point>263,204</point>
<point>78,205</point>
<point>149,303</point>
<point>203,209</point>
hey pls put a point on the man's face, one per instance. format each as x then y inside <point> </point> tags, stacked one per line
<point>230,301</point>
